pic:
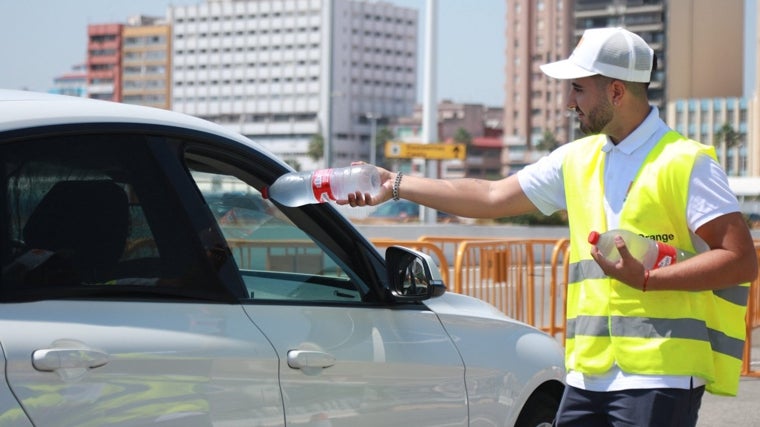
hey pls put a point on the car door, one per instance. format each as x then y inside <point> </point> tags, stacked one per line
<point>114,309</point>
<point>348,356</point>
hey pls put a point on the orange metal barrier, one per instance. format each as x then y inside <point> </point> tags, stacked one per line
<point>449,244</point>
<point>560,277</point>
<point>753,321</point>
<point>515,276</point>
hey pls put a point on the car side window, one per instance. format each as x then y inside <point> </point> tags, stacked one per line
<point>94,213</point>
<point>276,259</point>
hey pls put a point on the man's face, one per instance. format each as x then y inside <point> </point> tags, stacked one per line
<point>589,99</point>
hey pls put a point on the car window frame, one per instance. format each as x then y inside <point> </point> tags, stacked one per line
<point>322,222</point>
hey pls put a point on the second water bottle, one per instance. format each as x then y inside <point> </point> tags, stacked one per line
<point>651,253</point>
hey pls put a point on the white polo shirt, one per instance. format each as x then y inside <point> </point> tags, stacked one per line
<point>709,197</point>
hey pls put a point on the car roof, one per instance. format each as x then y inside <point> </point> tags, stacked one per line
<point>25,109</point>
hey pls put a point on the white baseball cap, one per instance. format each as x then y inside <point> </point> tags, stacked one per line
<point>611,52</point>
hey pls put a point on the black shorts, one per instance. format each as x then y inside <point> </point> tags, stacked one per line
<point>666,407</point>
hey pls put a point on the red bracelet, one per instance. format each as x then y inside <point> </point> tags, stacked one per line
<point>646,279</point>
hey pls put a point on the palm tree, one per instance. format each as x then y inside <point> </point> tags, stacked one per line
<point>316,148</point>
<point>461,136</point>
<point>728,138</point>
<point>548,141</point>
<point>294,164</point>
<point>383,135</point>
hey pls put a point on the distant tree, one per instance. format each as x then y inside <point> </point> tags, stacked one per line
<point>294,163</point>
<point>316,148</point>
<point>383,135</point>
<point>461,136</point>
<point>548,141</point>
<point>727,138</point>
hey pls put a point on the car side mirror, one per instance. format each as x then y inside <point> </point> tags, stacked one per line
<point>412,275</point>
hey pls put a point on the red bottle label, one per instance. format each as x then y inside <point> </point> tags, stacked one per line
<point>320,184</point>
<point>666,255</point>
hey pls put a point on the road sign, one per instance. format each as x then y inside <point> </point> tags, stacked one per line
<point>406,150</point>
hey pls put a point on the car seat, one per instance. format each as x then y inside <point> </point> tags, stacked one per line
<point>85,221</point>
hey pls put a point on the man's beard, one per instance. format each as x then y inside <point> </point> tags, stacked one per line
<point>597,119</point>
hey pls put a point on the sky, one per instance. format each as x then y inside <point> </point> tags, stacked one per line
<point>42,39</point>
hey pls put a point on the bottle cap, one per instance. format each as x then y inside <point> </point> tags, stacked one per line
<point>593,237</point>
<point>265,193</point>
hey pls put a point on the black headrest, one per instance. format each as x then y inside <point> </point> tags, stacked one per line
<point>86,220</point>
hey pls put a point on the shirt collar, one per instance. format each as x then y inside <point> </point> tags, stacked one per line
<point>640,136</point>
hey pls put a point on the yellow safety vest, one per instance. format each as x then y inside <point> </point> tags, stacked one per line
<point>651,333</point>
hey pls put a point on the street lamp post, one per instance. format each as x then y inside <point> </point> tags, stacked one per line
<point>372,137</point>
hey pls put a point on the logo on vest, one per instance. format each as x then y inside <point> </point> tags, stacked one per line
<point>664,238</point>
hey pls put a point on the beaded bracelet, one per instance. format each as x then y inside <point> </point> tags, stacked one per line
<point>396,185</point>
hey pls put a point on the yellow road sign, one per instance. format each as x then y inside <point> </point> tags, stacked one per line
<point>406,150</point>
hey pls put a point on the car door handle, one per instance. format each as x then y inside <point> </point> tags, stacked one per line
<point>300,359</point>
<point>51,359</point>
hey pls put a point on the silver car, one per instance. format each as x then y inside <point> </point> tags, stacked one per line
<point>146,282</point>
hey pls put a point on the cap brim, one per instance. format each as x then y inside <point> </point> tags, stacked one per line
<point>565,70</point>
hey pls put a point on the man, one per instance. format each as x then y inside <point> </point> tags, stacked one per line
<point>641,345</point>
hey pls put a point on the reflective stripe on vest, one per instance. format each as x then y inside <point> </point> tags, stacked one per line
<point>589,269</point>
<point>660,332</point>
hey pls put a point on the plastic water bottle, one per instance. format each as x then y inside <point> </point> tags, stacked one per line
<point>302,188</point>
<point>653,254</point>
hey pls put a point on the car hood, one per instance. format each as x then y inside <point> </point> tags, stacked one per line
<point>451,303</point>
<point>529,356</point>
<point>468,320</point>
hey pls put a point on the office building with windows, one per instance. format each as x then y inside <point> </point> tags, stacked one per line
<point>720,122</point>
<point>705,80</point>
<point>689,37</point>
<point>146,62</point>
<point>283,72</point>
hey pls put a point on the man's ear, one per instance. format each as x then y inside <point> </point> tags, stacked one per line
<point>617,90</point>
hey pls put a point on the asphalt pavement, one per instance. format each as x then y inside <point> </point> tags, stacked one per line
<point>742,410</point>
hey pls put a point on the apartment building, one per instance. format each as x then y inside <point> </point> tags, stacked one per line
<point>146,62</point>
<point>283,71</point>
<point>647,18</point>
<point>537,32</point>
<point>699,45</point>
<point>104,43</point>
<point>482,124</point>
<point>475,119</point>
<point>72,83</point>
<point>753,110</point>
<point>542,31</point>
